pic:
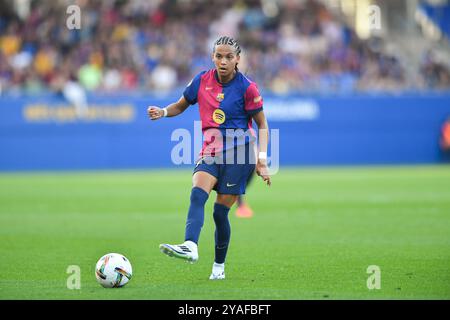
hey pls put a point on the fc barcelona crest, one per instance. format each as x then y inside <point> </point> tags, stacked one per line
<point>220,97</point>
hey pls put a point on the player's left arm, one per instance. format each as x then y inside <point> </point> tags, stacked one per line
<point>263,137</point>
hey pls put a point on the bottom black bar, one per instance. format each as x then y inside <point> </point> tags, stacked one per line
<point>230,309</point>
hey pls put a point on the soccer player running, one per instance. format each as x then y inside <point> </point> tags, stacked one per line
<point>227,101</point>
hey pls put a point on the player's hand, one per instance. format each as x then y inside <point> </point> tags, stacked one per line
<point>155,113</point>
<point>263,171</point>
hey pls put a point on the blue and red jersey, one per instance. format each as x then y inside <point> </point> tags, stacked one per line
<point>224,106</point>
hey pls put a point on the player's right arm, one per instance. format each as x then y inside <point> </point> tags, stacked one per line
<point>188,98</point>
<point>173,109</point>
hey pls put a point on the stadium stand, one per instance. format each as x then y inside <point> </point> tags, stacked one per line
<point>157,46</point>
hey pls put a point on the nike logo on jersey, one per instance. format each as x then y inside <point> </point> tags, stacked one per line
<point>208,88</point>
<point>230,185</point>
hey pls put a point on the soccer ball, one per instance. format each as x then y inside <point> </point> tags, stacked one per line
<point>113,270</point>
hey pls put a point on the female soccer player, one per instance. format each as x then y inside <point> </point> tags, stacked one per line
<point>227,101</point>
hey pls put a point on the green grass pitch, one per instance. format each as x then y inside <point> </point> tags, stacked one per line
<point>313,235</point>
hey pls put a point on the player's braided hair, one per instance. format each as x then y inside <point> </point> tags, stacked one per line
<point>228,41</point>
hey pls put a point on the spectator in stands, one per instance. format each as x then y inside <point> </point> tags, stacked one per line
<point>435,73</point>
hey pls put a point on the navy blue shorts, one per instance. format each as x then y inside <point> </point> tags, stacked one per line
<point>231,178</point>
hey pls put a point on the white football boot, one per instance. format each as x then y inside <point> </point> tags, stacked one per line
<point>187,251</point>
<point>218,271</point>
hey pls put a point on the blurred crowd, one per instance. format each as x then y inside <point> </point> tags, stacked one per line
<point>159,45</point>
